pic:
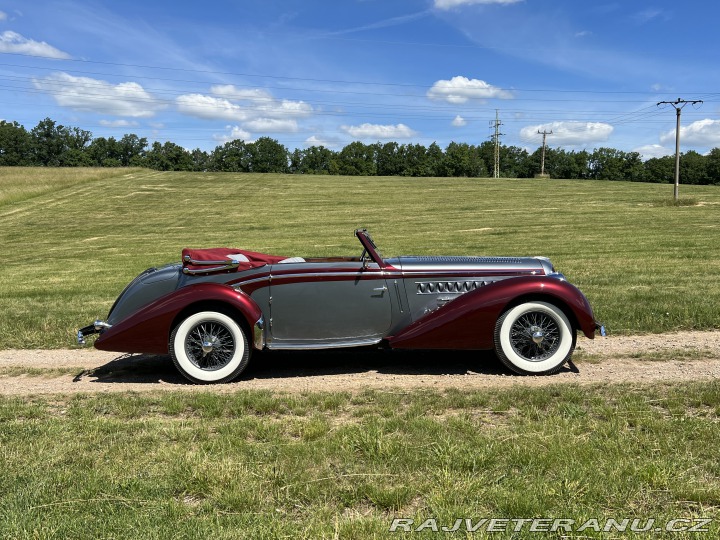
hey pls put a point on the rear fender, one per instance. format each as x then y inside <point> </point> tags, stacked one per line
<point>468,322</point>
<point>148,329</point>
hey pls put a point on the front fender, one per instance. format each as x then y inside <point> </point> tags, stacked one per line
<point>468,322</point>
<point>148,329</point>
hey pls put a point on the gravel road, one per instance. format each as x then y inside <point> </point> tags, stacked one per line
<point>683,356</point>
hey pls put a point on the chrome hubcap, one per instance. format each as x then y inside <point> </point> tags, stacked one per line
<point>210,346</point>
<point>535,336</point>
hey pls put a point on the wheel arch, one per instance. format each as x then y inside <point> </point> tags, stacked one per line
<point>467,321</point>
<point>148,329</point>
<point>547,298</point>
<point>213,305</point>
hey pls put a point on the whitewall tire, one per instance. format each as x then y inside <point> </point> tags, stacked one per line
<point>209,347</point>
<point>534,338</point>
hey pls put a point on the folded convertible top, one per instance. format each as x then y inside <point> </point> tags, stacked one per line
<point>203,261</point>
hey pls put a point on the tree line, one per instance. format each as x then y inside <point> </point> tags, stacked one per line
<point>53,145</point>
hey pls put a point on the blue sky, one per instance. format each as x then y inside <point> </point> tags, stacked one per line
<point>312,72</point>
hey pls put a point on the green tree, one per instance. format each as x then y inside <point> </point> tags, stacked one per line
<point>168,157</point>
<point>462,159</point>
<point>660,170</point>
<point>131,150</point>
<point>415,160</point>
<point>389,159</point>
<point>515,163</point>
<point>104,152</point>
<point>357,159</point>
<point>693,169</point>
<point>48,141</point>
<point>314,160</point>
<point>606,164</point>
<point>75,147</point>
<point>233,156</point>
<point>15,144</point>
<point>200,160</point>
<point>433,162</point>
<point>713,166</point>
<point>268,156</point>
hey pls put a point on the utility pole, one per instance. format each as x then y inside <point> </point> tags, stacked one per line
<point>678,104</point>
<point>542,161</point>
<point>496,139</point>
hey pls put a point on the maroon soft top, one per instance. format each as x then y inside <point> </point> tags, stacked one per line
<point>224,255</point>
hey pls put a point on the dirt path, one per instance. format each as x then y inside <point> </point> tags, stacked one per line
<point>684,356</point>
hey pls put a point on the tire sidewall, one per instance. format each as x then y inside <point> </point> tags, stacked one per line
<point>513,360</point>
<point>189,369</point>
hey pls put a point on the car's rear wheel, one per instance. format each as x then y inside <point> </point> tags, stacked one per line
<point>534,338</point>
<point>209,347</point>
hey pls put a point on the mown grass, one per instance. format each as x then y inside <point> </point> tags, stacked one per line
<point>71,246</point>
<point>339,465</point>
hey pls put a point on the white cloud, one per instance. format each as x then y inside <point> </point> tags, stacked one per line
<point>701,133</point>
<point>570,133</point>
<point>327,142</point>
<point>653,151</point>
<point>12,42</point>
<point>376,131</point>
<point>459,90</point>
<point>210,108</point>
<point>275,125</point>
<point>234,132</point>
<point>94,95</point>
<point>117,123</point>
<point>230,91</point>
<point>449,4</point>
<point>459,121</point>
<point>262,102</point>
<point>3,16</point>
<point>254,108</point>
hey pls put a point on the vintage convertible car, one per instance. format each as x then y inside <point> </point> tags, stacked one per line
<point>210,310</point>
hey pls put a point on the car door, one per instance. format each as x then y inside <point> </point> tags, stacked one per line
<point>318,305</point>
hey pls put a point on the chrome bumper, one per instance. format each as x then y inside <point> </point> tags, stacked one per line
<point>94,328</point>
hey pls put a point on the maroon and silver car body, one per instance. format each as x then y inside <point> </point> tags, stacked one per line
<point>210,310</point>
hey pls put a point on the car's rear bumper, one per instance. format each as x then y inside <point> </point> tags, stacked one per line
<point>94,328</point>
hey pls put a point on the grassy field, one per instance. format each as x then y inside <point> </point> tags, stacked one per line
<point>70,247</point>
<point>258,465</point>
<point>255,464</point>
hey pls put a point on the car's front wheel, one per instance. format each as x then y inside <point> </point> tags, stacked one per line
<point>209,347</point>
<point>534,338</point>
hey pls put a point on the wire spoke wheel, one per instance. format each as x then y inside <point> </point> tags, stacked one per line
<point>209,347</point>
<point>534,338</point>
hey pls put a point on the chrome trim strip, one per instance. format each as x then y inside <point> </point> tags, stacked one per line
<point>194,262</point>
<point>226,264</point>
<point>349,273</point>
<point>321,345</point>
<point>239,284</point>
<point>230,266</point>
